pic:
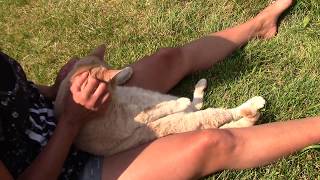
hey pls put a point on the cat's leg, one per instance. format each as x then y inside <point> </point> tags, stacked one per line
<point>164,109</point>
<point>184,122</point>
<point>208,118</point>
<point>243,122</point>
<point>199,93</point>
<point>249,112</point>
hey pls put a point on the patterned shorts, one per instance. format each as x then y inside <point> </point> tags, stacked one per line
<point>92,169</point>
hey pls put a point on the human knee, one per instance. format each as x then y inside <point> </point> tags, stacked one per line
<point>211,151</point>
<point>223,142</point>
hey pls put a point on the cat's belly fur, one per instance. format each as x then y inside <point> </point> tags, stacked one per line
<point>141,97</point>
<point>121,126</point>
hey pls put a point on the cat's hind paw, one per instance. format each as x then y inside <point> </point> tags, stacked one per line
<point>251,107</point>
<point>256,102</point>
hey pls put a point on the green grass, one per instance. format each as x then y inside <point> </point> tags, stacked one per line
<point>43,35</point>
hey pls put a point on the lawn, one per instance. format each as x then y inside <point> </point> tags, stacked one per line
<point>42,35</point>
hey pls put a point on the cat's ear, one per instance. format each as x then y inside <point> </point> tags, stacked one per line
<point>99,52</point>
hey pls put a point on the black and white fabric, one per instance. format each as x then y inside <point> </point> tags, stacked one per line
<point>42,122</point>
<point>27,122</point>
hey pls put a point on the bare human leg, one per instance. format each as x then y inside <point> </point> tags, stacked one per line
<point>195,154</point>
<point>164,69</point>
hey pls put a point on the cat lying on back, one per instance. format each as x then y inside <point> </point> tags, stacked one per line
<point>135,115</point>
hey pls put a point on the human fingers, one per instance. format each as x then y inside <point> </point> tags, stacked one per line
<point>107,74</point>
<point>111,73</point>
<point>104,99</point>
<point>78,81</point>
<point>90,87</point>
<point>99,94</point>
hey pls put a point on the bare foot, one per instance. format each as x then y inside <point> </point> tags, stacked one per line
<point>267,19</point>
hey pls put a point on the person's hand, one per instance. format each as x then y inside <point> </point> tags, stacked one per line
<point>108,74</point>
<point>89,92</point>
<point>86,98</point>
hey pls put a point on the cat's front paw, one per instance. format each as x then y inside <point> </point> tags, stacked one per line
<point>201,85</point>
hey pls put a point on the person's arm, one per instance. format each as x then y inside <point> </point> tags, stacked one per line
<point>49,162</point>
<point>48,91</point>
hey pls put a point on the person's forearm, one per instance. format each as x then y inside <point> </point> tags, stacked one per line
<point>49,162</point>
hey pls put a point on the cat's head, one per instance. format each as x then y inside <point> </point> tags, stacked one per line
<point>94,64</point>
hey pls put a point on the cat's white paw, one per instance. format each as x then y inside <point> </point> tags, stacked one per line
<point>201,84</point>
<point>256,102</point>
<point>251,107</point>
